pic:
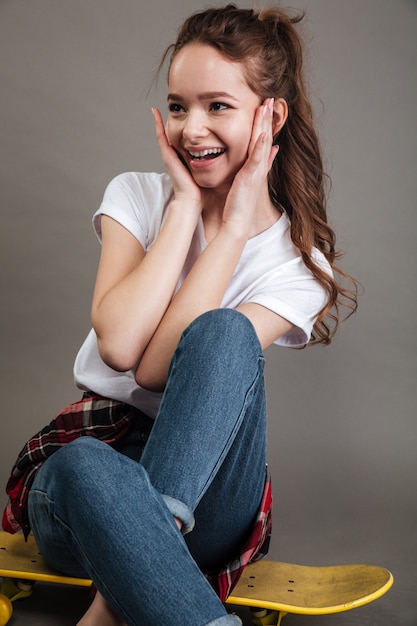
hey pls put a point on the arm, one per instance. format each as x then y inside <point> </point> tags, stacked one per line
<point>133,289</point>
<point>124,313</point>
<point>206,284</point>
<point>269,326</point>
<point>203,290</point>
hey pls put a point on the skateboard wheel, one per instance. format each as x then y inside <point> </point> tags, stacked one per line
<point>6,610</point>
<point>264,617</point>
<point>14,591</point>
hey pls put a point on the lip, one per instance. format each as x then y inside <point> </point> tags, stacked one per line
<point>197,164</point>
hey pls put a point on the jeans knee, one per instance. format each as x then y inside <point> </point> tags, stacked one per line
<point>80,454</point>
<point>218,349</point>
<point>71,465</point>
<point>224,327</point>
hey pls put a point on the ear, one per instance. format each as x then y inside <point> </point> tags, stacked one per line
<point>280,114</point>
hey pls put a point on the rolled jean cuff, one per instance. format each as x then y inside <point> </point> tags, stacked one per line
<point>226,620</point>
<point>182,512</point>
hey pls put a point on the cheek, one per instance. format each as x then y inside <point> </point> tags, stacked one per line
<point>245,131</point>
<point>245,139</point>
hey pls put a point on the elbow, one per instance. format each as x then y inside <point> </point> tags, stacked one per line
<point>118,359</point>
<point>147,379</point>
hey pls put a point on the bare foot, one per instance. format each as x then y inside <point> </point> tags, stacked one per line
<point>100,614</point>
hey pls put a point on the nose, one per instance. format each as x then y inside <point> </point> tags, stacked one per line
<point>195,126</point>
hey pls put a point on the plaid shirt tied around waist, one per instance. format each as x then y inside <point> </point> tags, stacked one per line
<point>109,420</point>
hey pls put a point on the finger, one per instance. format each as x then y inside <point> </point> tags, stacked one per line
<point>272,156</point>
<point>258,156</point>
<point>262,122</point>
<point>169,155</point>
<point>160,129</point>
<point>257,127</point>
<point>268,116</point>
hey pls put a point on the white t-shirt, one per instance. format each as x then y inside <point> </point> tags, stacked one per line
<point>270,272</point>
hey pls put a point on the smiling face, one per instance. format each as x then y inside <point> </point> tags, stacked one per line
<point>211,114</point>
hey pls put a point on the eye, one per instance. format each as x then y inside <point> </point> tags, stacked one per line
<point>219,106</point>
<point>175,108</point>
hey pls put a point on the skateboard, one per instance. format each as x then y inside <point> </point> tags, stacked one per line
<point>275,589</point>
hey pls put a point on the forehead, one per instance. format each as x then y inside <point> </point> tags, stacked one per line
<point>200,64</point>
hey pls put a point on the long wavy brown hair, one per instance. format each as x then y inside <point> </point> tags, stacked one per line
<point>270,47</point>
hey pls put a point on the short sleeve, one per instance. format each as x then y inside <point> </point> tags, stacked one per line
<point>138,201</point>
<point>272,273</point>
<point>297,299</point>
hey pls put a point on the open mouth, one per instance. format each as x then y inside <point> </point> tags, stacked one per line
<point>206,155</point>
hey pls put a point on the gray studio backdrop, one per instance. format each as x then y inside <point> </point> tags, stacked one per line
<point>74,112</point>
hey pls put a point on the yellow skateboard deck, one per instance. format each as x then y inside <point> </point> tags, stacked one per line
<point>276,589</point>
<point>19,562</point>
<point>284,588</point>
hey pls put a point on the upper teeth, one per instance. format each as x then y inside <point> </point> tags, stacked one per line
<point>204,153</point>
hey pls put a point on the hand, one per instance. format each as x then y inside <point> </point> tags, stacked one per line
<point>263,130</point>
<point>183,183</point>
<point>252,178</point>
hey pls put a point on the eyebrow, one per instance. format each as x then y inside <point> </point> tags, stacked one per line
<point>208,95</point>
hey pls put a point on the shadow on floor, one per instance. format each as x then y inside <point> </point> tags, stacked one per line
<point>59,605</point>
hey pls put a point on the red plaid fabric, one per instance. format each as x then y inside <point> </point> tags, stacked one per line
<point>94,416</point>
<point>109,420</point>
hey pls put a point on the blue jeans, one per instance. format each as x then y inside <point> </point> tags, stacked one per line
<point>99,513</point>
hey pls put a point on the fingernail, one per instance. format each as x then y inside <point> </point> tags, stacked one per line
<point>271,106</point>
<point>264,110</point>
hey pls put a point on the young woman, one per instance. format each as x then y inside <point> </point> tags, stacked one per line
<point>202,267</point>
